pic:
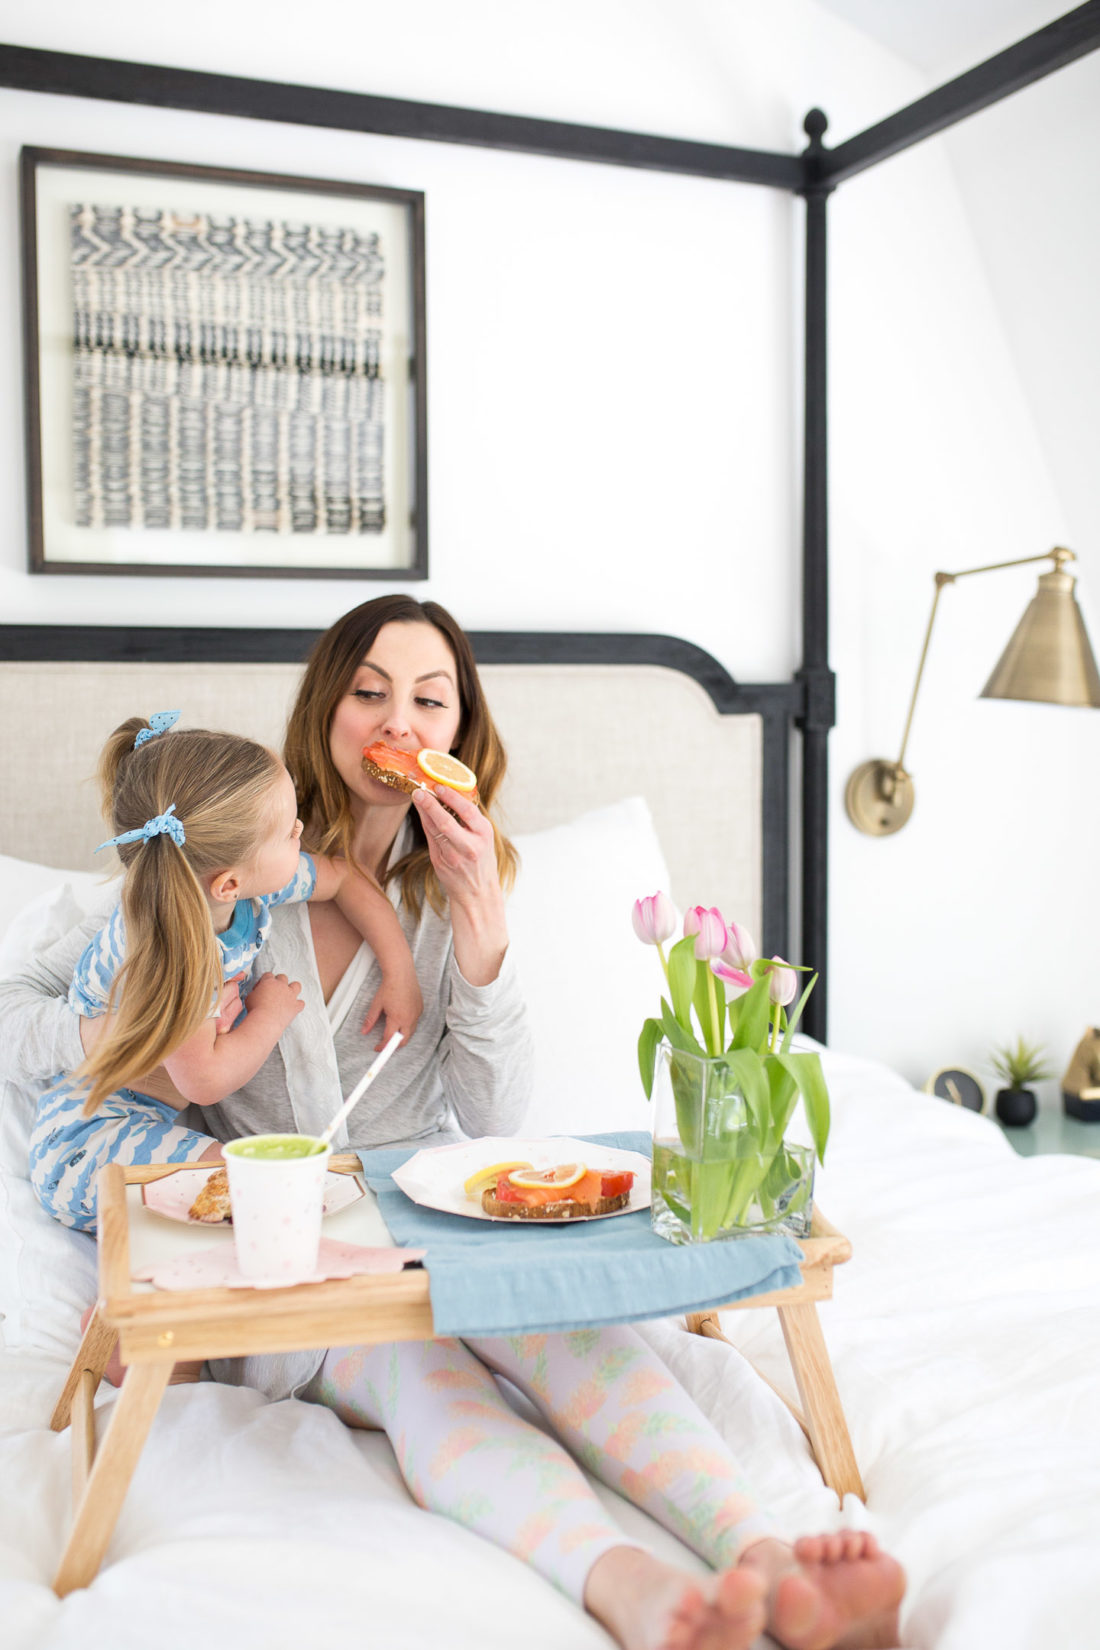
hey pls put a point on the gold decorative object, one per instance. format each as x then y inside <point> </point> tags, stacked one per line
<point>1081,1083</point>
<point>1048,659</point>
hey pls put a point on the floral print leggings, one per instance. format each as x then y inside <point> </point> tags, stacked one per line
<point>465,1453</point>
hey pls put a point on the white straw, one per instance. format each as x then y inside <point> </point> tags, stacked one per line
<point>361,1088</point>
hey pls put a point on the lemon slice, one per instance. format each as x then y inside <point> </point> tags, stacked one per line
<point>486,1177</point>
<point>447,770</point>
<point>566,1174</point>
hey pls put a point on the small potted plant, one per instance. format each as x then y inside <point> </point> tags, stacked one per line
<point>1018,1065</point>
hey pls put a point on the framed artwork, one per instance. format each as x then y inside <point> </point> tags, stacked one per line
<point>225,372</point>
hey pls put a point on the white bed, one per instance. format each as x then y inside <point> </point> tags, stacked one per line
<point>965,1332</point>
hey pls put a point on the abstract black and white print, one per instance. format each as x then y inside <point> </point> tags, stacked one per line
<point>227,373</point>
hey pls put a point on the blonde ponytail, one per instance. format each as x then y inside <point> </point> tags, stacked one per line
<point>171,976</point>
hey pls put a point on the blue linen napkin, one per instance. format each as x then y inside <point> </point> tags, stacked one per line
<point>496,1278</point>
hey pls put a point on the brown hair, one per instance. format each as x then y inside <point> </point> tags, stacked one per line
<point>220,787</point>
<point>322,796</point>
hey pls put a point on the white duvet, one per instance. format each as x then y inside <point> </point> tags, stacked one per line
<point>965,1335</point>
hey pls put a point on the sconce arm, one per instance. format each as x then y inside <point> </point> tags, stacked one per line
<point>879,794</point>
<point>1057,555</point>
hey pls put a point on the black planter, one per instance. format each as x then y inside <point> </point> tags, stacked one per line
<point>1015,1107</point>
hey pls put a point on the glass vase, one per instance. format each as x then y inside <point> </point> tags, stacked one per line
<point>717,1174</point>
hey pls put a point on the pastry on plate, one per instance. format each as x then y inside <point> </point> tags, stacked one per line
<point>212,1203</point>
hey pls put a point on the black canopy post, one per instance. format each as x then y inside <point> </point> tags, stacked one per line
<point>818,714</point>
<point>1052,47</point>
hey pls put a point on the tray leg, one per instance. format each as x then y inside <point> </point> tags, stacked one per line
<point>825,1421</point>
<point>92,1357</point>
<point>113,1467</point>
<point>708,1325</point>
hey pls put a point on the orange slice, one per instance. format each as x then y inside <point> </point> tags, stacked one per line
<point>446,770</point>
<point>565,1174</point>
<point>490,1175</point>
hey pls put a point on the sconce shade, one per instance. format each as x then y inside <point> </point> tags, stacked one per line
<point>1048,657</point>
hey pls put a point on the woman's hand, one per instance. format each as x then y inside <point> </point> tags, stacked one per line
<point>229,1005</point>
<point>463,854</point>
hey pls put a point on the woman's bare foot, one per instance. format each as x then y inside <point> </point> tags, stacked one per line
<point>648,1605</point>
<point>830,1592</point>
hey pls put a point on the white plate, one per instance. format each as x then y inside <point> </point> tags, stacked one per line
<point>435,1178</point>
<point>174,1194</point>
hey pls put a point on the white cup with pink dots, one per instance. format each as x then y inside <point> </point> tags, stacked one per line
<point>276,1190</point>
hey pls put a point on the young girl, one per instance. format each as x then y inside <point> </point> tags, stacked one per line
<point>209,838</point>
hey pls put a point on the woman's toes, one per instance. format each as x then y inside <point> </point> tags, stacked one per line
<point>741,1592</point>
<point>729,1619</point>
<point>795,1609</point>
<point>810,1549</point>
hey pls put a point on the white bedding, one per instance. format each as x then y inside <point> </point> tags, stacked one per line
<point>964,1333</point>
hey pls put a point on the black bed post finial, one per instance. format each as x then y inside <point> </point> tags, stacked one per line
<point>818,712</point>
<point>815,125</point>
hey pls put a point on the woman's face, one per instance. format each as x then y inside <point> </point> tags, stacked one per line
<point>404,693</point>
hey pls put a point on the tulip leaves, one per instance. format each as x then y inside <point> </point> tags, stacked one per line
<point>682,972</point>
<point>806,1076</point>
<point>767,1073</point>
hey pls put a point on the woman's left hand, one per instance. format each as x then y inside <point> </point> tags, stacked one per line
<point>463,854</point>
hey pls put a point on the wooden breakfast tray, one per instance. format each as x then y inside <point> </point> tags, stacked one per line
<point>155,1329</point>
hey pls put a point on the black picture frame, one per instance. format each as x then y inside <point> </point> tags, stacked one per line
<point>393,547</point>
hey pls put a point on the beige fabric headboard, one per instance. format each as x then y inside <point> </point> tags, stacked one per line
<point>578,735</point>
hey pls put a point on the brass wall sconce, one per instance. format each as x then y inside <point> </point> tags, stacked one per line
<point>1048,658</point>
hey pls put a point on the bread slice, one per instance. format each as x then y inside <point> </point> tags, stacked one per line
<point>399,781</point>
<point>567,1209</point>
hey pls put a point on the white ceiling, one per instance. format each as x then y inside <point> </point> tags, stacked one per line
<point>945,37</point>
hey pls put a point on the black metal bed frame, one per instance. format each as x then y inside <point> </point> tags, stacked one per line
<point>814,174</point>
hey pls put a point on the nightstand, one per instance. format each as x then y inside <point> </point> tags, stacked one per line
<point>1053,1131</point>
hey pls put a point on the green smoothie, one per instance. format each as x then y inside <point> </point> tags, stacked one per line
<point>275,1148</point>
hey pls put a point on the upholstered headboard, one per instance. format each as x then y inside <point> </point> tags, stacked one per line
<point>586,720</point>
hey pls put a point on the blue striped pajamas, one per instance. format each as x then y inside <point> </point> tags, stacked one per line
<point>68,1149</point>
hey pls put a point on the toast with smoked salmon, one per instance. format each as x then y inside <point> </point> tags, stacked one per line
<point>411,771</point>
<point>568,1192</point>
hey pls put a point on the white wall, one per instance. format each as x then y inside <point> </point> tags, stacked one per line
<point>584,477</point>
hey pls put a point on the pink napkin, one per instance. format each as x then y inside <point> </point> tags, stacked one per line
<point>217,1268</point>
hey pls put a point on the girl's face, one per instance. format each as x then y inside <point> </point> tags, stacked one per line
<point>405,694</point>
<point>276,859</point>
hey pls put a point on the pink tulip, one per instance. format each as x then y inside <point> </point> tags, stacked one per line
<point>740,952</point>
<point>654,919</point>
<point>709,928</point>
<point>735,977</point>
<point>782,983</point>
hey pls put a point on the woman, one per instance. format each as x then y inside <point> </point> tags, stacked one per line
<point>403,672</point>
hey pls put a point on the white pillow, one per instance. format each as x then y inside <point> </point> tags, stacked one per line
<point>588,981</point>
<point>47,1271</point>
<point>27,895</point>
<point>21,880</point>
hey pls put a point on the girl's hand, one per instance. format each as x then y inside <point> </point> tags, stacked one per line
<point>277,999</point>
<point>399,1002</point>
<point>463,854</point>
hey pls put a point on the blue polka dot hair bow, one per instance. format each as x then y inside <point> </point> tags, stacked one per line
<point>159,723</point>
<point>165,824</point>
